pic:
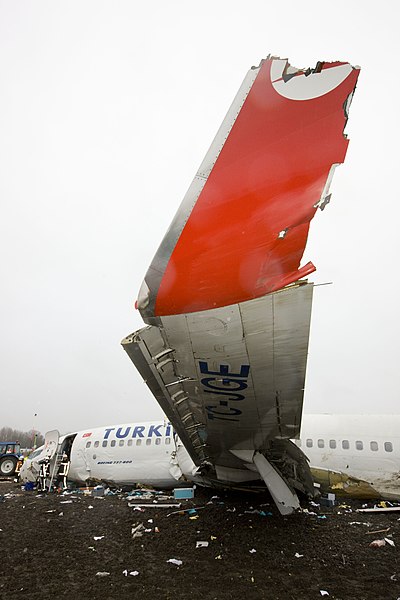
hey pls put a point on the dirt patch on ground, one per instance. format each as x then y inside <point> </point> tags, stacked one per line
<point>48,549</point>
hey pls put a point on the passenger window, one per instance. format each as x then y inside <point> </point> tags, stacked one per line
<point>148,441</point>
<point>88,444</point>
<point>359,445</point>
<point>374,446</point>
<point>138,442</point>
<point>130,442</point>
<point>309,443</point>
<point>121,442</point>
<point>321,444</point>
<point>158,441</point>
<point>112,443</point>
<point>388,446</point>
<point>332,444</point>
<point>167,440</point>
<point>96,444</point>
<point>345,444</point>
<point>104,444</point>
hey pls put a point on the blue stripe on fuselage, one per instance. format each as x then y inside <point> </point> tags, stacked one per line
<point>138,431</point>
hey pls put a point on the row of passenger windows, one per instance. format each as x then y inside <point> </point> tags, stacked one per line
<point>113,443</point>
<point>358,444</point>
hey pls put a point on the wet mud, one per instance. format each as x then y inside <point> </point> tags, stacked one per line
<point>250,552</point>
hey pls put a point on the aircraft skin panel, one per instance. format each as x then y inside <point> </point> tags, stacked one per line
<point>234,376</point>
<point>242,230</point>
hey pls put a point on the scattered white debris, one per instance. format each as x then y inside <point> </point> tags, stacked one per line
<point>175,561</point>
<point>99,537</point>
<point>297,555</point>
<point>378,509</point>
<point>102,573</point>
<point>324,593</point>
<point>66,502</point>
<point>201,544</point>
<point>308,512</point>
<point>89,507</point>
<point>49,511</point>
<point>134,573</point>
<point>154,505</point>
<point>92,548</point>
<point>137,530</point>
<point>61,514</point>
<point>252,551</point>
<point>389,541</point>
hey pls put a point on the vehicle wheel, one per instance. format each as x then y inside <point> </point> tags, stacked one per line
<point>8,466</point>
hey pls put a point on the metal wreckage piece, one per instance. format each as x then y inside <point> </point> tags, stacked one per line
<point>225,299</point>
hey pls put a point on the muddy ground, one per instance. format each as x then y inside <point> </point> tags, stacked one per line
<point>48,549</point>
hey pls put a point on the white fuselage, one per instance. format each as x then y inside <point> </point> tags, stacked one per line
<point>363,446</point>
<point>366,447</point>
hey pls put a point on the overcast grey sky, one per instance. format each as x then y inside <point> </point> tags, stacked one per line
<point>106,111</point>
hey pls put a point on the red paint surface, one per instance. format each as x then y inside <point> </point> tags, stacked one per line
<point>268,176</point>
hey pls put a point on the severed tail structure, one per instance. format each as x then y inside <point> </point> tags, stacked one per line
<point>225,301</point>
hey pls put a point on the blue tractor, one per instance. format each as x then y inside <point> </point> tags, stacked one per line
<point>10,458</point>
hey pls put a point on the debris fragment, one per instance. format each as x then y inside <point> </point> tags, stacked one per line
<point>137,530</point>
<point>297,555</point>
<point>378,509</point>
<point>378,531</point>
<point>324,593</point>
<point>99,537</point>
<point>377,544</point>
<point>102,574</point>
<point>252,551</point>
<point>201,544</point>
<point>126,573</point>
<point>175,561</point>
<point>138,506</point>
<point>184,510</point>
<point>389,541</point>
